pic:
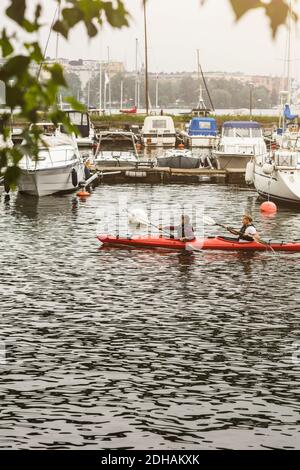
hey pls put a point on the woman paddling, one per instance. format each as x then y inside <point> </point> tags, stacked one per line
<point>184,231</point>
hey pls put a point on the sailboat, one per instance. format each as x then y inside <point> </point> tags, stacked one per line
<point>277,175</point>
<point>202,130</point>
<point>288,125</point>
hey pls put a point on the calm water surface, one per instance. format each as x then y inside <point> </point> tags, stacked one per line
<point>112,348</point>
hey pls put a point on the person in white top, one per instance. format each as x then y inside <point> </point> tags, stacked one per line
<point>247,232</point>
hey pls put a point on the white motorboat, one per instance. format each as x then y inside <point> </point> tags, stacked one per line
<point>86,135</point>
<point>240,141</point>
<point>276,175</point>
<point>116,148</point>
<point>57,168</point>
<point>179,159</point>
<point>111,159</point>
<point>158,131</point>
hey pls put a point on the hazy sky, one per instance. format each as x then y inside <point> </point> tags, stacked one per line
<point>176,29</point>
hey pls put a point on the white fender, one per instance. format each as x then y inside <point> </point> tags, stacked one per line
<point>249,175</point>
<point>268,168</point>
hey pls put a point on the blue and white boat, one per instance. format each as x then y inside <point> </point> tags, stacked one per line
<point>201,132</point>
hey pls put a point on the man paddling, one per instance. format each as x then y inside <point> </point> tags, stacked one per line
<point>184,231</point>
<point>247,232</point>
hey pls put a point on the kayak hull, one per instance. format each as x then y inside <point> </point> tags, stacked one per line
<point>217,243</point>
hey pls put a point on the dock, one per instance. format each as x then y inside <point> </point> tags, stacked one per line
<point>151,174</point>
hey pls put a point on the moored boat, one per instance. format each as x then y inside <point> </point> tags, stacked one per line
<point>57,168</point>
<point>276,175</point>
<point>116,148</point>
<point>240,141</point>
<point>178,159</point>
<point>85,132</point>
<point>158,131</point>
<point>201,132</point>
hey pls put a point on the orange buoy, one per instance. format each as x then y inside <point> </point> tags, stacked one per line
<point>83,193</point>
<point>138,146</point>
<point>181,146</point>
<point>269,207</point>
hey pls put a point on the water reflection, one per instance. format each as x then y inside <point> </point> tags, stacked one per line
<point>118,348</point>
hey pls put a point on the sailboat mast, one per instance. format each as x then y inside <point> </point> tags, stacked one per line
<point>146,59</point>
<point>289,82</point>
<point>57,35</point>
<point>200,103</point>
<point>136,73</point>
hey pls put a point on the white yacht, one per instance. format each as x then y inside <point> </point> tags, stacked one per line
<point>116,148</point>
<point>240,141</point>
<point>86,135</point>
<point>58,167</point>
<point>276,175</point>
<point>158,131</point>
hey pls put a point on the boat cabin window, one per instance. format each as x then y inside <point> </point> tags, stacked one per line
<point>242,132</point>
<point>159,124</point>
<point>204,125</point>
<point>228,132</point>
<point>78,119</point>
<point>256,132</point>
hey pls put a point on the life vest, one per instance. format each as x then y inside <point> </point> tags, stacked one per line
<point>248,238</point>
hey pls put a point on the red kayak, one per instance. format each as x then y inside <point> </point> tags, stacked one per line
<point>216,243</point>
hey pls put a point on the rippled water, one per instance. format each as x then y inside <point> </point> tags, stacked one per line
<point>112,348</point>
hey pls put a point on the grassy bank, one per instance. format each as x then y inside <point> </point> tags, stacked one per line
<point>126,120</point>
<point>122,120</point>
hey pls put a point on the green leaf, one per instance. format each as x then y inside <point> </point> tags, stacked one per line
<point>75,104</point>
<point>16,11</point>
<point>12,175</point>
<point>61,28</point>
<point>91,29</point>
<point>6,45</point>
<point>28,26</point>
<point>35,51</point>
<point>14,67</point>
<point>117,17</point>
<point>72,16</point>
<point>57,75</point>
<point>240,7</point>
<point>277,11</point>
<point>14,97</point>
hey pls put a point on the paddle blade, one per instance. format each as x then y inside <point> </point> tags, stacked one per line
<point>137,216</point>
<point>196,245</point>
<point>208,220</point>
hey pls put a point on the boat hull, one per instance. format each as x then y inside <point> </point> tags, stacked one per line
<point>158,141</point>
<point>283,185</point>
<point>217,243</point>
<point>114,163</point>
<point>227,161</point>
<point>199,141</point>
<point>44,182</point>
<point>178,161</point>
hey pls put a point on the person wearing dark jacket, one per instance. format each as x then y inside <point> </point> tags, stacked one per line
<point>184,231</point>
